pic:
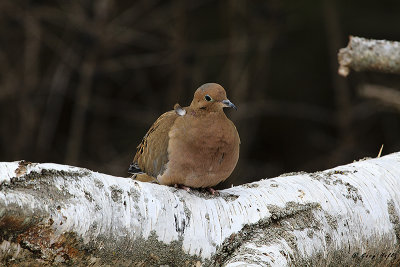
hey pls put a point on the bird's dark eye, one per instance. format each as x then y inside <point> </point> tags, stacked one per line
<point>207,98</point>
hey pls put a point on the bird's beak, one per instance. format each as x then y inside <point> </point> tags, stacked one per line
<point>228,104</point>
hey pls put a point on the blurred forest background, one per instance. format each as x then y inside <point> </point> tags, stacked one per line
<point>82,81</point>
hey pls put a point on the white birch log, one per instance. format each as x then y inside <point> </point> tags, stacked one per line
<point>55,214</point>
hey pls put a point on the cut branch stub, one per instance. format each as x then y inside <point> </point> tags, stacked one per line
<point>366,54</point>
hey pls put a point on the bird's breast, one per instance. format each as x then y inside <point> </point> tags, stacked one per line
<point>208,134</point>
<point>204,143</point>
<point>201,152</point>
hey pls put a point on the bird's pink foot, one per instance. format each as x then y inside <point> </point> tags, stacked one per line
<point>212,191</point>
<point>181,186</point>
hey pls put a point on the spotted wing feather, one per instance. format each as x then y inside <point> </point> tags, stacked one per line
<point>152,153</point>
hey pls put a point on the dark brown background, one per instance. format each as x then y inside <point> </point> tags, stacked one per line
<point>82,81</point>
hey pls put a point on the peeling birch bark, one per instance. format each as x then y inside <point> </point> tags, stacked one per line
<point>54,214</point>
<point>367,54</point>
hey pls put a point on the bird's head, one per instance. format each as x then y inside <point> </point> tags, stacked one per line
<point>211,97</point>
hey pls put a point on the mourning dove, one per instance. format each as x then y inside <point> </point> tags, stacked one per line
<point>195,146</point>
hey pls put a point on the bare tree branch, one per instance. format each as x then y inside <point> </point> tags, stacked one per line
<point>387,96</point>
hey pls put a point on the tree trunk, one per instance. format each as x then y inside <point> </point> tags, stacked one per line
<point>54,214</point>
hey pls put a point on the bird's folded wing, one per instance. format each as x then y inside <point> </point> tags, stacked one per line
<point>152,152</point>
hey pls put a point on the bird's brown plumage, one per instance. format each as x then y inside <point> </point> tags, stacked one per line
<point>195,146</point>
